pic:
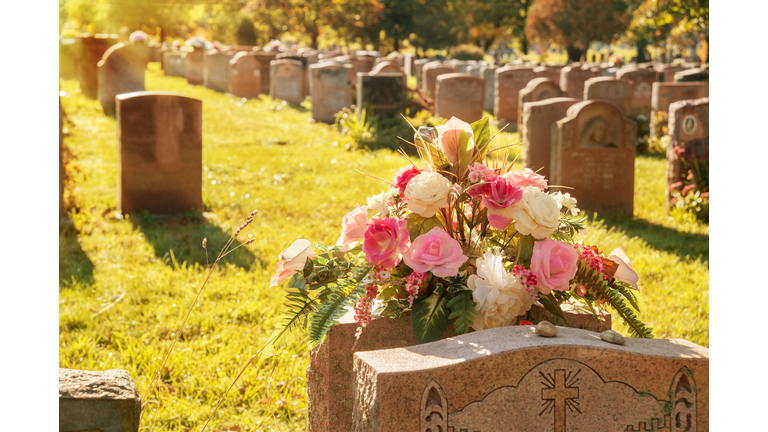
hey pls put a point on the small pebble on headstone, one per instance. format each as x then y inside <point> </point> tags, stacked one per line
<point>613,337</point>
<point>546,328</point>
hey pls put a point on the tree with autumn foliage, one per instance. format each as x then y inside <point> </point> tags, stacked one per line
<point>575,24</point>
<point>653,21</point>
<point>489,20</point>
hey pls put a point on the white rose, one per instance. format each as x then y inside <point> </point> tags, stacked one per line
<point>567,201</point>
<point>379,202</point>
<point>426,193</point>
<point>500,296</point>
<point>536,214</point>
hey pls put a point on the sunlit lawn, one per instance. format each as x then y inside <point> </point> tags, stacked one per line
<point>264,155</point>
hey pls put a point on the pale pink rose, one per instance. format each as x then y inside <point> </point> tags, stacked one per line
<point>527,177</point>
<point>450,137</point>
<point>625,273</point>
<point>554,265</point>
<point>385,241</point>
<point>403,176</point>
<point>437,252</point>
<point>292,260</point>
<point>479,172</point>
<point>499,195</point>
<point>353,228</point>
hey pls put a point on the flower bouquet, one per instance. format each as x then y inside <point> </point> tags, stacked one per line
<point>196,42</point>
<point>464,239</point>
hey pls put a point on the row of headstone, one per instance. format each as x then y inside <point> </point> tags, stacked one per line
<point>688,131</point>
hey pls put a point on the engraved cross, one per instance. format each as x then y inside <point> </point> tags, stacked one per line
<point>560,393</point>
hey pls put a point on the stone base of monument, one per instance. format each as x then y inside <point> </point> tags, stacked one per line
<point>98,401</point>
<point>510,379</point>
<point>330,375</point>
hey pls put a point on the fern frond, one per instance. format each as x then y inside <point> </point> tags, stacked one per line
<point>336,298</point>
<point>298,306</point>
<point>463,309</point>
<point>593,280</point>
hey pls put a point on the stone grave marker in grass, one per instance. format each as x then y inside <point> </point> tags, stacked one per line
<point>174,64</point>
<point>666,72</point>
<point>387,66</point>
<point>511,379</point>
<point>417,70</point>
<point>264,58</point>
<point>461,96</point>
<point>572,79</point>
<point>688,131</point>
<point>120,71</point>
<point>551,72</point>
<point>594,153</point>
<point>160,153</point>
<point>194,66</point>
<point>642,83</point>
<point>474,70</point>
<point>408,60</point>
<point>245,75</point>
<point>430,72</point>
<point>330,376</point>
<point>488,73</point>
<point>665,94</point>
<point>105,401</point>
<point>331,90</point>
<point>216,70</point>
<point>304,72</point>
<point>536,131</point>
<point>614,90</point>
<point>509,81</point>
<point>286,80</point>
<point>537,89</point>
<point>88,52</point>
<point>383,93</point>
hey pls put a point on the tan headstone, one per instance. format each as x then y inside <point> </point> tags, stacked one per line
<point>488,73</point>
<point>506,99</point>
<point>430,72</point>
<point>418,66</point>
<point>617,91</point>
<point>461,96</point>
<point>216,70</point>
<point>286,80</point>
<point>265,57</point>
<point>388,66</point>
<point>330,375</point>
<point>594,153</point>
<point>688,130</point>
<point>105,401</point>
<point>642,85</point>
<point>88,51</point>
<point>666,72</point>
<point>510,379</point>
<point>331,90</point>
<point>193,66</point>
<point>304,71</point>
<point>245,75</point>
<point>664,94</point>
<point>551,72</point>
<point>160,152</point>
<point>572,79</point>
<point>383,93</point>
<point>120,71</point>
<point>173,64</point>
<point>538,89</point>
<point>536,131</point>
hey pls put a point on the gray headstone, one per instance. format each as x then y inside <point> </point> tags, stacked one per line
<point>105,401</point>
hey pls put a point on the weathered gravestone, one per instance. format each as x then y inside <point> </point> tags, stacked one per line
<point>382,93</point>
<point>245,75</point>
<point>572,79</point>
<point>536,131</point>
<point>418,66</point>
<point>216,70</point>
<point>120,71</point>
<point>105,401</point>
<point>614,90</point>
<point>551,72</point>
<point>265,57</point>
<point>688,131</point>
<point>461,96</point>
<point>387,66</point>
<point>509,81</point>
<point>430,72</point>
<point>488,73</point>
<point>594,153</point>
<point>408,60</point>
<point>665,94</point>
<point>474,70</point>
<point>538,89</point>
<point>286,80</point>
<point>331,90</point>
<point>174,64</point>
<point>305,81</point>
<point>161,153</point>
<point>331,377</point>
<point>510,379</point>
<point>642,84</point>
<point>193,66</point>
<point>88,51</point>
<point>666,72</point>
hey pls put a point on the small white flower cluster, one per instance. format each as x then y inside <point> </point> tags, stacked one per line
<point>500,296</point>
<point>567,201</point>
<point>379,202</point>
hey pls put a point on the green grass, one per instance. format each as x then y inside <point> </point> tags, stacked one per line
<point>264,155</point>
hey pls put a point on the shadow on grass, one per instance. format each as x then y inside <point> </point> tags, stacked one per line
<point>662,238</point>
<point>183,236</point>
<point>74,264</point>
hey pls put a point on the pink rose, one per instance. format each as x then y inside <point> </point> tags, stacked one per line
<point>353,227</point>
<point>554,265</point>
<point>385,241</point>
<point>292,260</point>
<point>527,177</point>
<point>498,196</point>
<point>452,133</point>
<point>479,172</point>
<point>403,176</point>
<point>437,252</point>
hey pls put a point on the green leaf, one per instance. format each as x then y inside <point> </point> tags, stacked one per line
<point>309,266</point>
<point>526,247</point>
<point>550,304</point>
<point>466,151</point>
<point>337,297</point>
<point>387,293</point>
<point>463,310</point>
<point>418,225</point>
<point>430,318</point>
<point>390,309</point>
<point>482,132</point>
<point>297,281</point>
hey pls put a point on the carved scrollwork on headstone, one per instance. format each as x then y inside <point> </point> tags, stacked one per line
<point>434,409</point>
